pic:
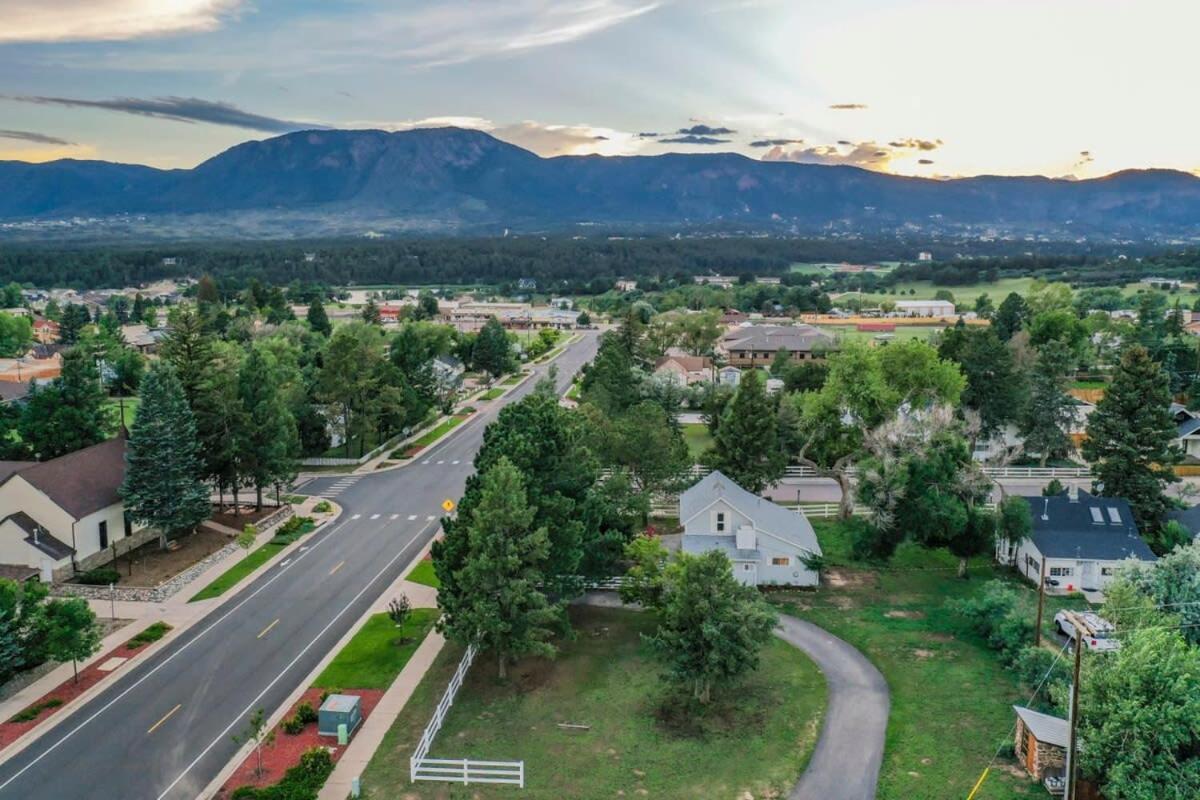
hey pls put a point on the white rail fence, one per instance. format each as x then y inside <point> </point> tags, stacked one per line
<point>825,510</point>
<point>458,770</point>
<point>797,471</point>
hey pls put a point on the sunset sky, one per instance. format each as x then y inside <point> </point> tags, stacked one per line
<point>918,87</point>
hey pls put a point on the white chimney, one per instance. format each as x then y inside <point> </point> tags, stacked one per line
<point>1045,509</point>
<point>1073,492</point>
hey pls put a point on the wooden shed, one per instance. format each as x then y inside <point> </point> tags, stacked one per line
<point>1041,745</point>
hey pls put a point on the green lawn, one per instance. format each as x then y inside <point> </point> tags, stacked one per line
<point>757,738</point>
<point>423,574</point>
<point>491,394</point>
<point>951,696</point>
<point>252,561</point>
<point>376,654</point>
<point>112,408</point>
<point>698,439</point>
<point>512,379</point>
<point>850,333</point>
<point>432,436</point>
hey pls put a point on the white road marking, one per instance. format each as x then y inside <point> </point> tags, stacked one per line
<point>395,516</point>
<point>430,518</point>
<point>356,516</point>
<point>411,517</point>
<point>374,516</point>
<point>441,462</point>
<point>453,462</point>
<point>426,461</point>
<point>285,562</point>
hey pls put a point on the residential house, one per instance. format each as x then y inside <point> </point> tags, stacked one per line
<point>143,338</point>
<point>65,514</point>
<point>626,286</point>
<point>767,280</point>
<point>729,376</point>
<point>14,392</point>
<point>1041,746</point>
<point>1187,432</point>
<point>527,284</point>
<point>722,281</point>
<point>45,331</point>
<point>766,543</point>
<point>684,370</point>
<point>925,308</point>
<point>1081,538</point>
<point>756,345</point>
<point>449,372</point>
<point>562,303</point>
<point>1162,283</point>
<point>924,255</point>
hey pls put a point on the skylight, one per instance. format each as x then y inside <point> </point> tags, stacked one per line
<point>1097,515</point>
<point>1114,516</point>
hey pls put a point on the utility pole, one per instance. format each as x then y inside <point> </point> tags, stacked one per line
<point>1074,721</point>
<point>1037,629</point>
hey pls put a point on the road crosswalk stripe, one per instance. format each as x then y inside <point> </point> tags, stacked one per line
<point>374,516</point>
<point>411,517</point>
<point>430,518</point>
<point>395,516</point>
<point>356,516</point>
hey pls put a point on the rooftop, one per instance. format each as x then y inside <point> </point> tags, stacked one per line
<point>1045,728</point>
<point>794,338</point>
<point>1100,528</point>
<point>81,482</point>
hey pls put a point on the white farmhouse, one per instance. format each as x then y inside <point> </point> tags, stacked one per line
<point>767,544</point>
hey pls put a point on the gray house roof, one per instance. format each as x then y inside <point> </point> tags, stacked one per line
<point>1187,517</point>
<point>1188,427</point>
<point>767,517</point>
<point>771,338</point>
<point>37,535</point>
<point>1093,528</point>
<point>1045,728</point>
<point>696,545</point>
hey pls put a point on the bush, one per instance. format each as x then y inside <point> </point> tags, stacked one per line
<point>306,712</point>
<point>301,782</point>
<point>994,614</point>
<point>293,726</point>
<point>246,538</point>
<point>323,507</point>
<point>151,634</point>
<point>101,576</point>
<point>35,710</point>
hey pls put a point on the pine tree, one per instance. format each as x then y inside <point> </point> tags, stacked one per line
<point>318,320</point>
<point>370,313</point>
<point>189,348</point>
<point>68,415</point>
<point>746,445</point>
<point>492,352</point>
<point>497,598</point>
<point>1011,316</point>
<point>161,488</point>
<point>1130,439</point>
<point>270,443</point>
<point>1047,419</point>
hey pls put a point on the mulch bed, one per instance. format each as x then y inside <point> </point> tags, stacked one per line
<point>67,691</point>
<point>286,751</point>
<point>246,514</point>
<point>412,451</point>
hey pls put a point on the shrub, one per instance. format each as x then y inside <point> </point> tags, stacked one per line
<point>35,710</point>
<point>293,726</point>
<point>301,782</point>
<point>306,712</point>
<point>246,538</point>
<point>323,507</point>
<point>151,634</point>
<point>995,615</point>
<point>101,576</point>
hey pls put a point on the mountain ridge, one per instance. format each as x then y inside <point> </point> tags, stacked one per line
<point>454,177</point>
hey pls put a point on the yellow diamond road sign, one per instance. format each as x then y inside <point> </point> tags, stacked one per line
<point>448,505</point>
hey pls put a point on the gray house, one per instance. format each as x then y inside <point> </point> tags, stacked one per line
<point>767,544</point>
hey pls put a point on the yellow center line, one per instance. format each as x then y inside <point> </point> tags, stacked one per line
<point>339,566</point>
<point>166,717</point>
<point>267,629</point>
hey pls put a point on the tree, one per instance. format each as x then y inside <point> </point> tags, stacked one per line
<point>644,577</point>
<point>610,382</point>
<point>67,415</point>
<point>492,352</point>
<point>781,363</point>
<point>72,631</point>
<point>371,314</point>
<point>711,628</point>
<point>1130,439</point>
<point>127,367</point>
<point>258,734</point>
<point>583,320</point>
<point>348,381</point>
<point>162,459</point>
<point>1010,317</point>
<point>497,598</point>
<point>1172,582</point>
<point>1046,296</point>
<point>746,445</point>
<point>1046,423</point>
<point>189,349</point>
<point>317,319</point>
<point>984,307</point>
<point>1014,522</point>
<point>995,389</point>
<point>644,441</point>
<point>74,319</point>
<point>399,610</point>
<point>16,333</point>
<point>427,306</point>
<point>269,443</point>
<point>1137,718</point>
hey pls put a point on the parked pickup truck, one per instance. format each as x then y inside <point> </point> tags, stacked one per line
<point>1098,633</point>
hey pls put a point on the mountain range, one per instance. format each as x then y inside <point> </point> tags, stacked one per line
<point>451,179</point>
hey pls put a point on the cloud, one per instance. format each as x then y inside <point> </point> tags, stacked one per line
<point>924,161</point>
<point>775,142</point>
<point>458,31</point>
<point>867,155</point>
<point>705,130</point>
<point>916,144</point>
<point>693,139</point>
<point>36,138</point>
<point>545,139</point>
<point>178,109</point>
<point>848,106</point>
<point>648,135</point>
<point>108,20</point>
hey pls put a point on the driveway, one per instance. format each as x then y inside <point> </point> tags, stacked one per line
<point>845,763</point>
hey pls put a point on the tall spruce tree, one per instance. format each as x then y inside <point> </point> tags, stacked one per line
<point>492,352</point>
<point>1011,316</point>
<point>318,320</point>
<point>1046,423</point>
<point>496,598</point>
<point>1130,439</point>
<point>161,488</point>
<point>746,445</point>
<point>269,444</point>
<point>67,415</point>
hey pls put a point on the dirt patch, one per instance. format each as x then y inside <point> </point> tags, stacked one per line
<point>904,614</point>
<point>246,515</point>
<point>940,637</point>
<point>924,654</point>
<point>840,578</point>
<point>149,566</point>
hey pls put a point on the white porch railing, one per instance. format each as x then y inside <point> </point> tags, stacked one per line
<point>458,770</point>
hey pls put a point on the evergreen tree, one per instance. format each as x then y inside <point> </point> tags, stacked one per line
<point>74,318</point>
<point>1010,317</point>
<point>189,349</point>
<point>1046,423</point>
<point>318,320</point>
<point>371,314</point>
<point>609,383</point>
<point>269,445</point>
<point>1130,439</point>
<point>746,445</point>
<point>496,598</point>
<point>161,488</point>
<point>492,352</point>
<point>67,415</point>
<point>995,388</point>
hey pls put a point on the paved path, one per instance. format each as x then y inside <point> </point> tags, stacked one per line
<point>845,763</point>
<point>162,731</point>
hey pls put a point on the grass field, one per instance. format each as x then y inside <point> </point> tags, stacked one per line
<point>951,696</point>
<point>423,574</point>
<point>698,439</point>
<point>376,654</point>
<point>431,436</point>
<point>754,742</point>
<point>112,407</point>
<point>491,394</point>
<point>250,562</point>
<point>849,333</point>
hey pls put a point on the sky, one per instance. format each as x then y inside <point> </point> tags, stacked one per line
<point>932,88</point>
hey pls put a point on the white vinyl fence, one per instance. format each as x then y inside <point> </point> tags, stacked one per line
<point>458,770</point>
<point>825,510</point>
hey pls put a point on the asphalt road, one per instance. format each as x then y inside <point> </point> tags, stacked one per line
<point>845,763</point>
<point>164,729</point>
